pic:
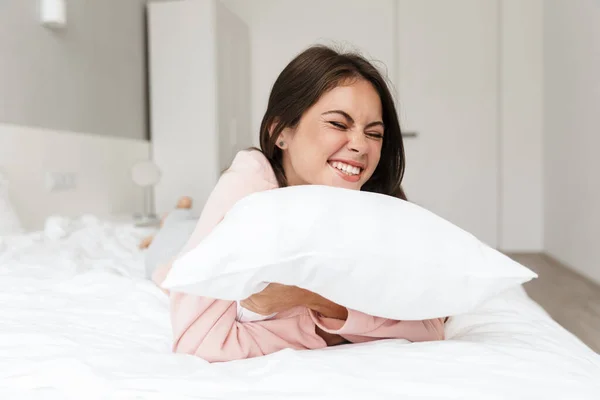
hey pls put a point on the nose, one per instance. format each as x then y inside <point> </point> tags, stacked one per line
<point>357,142</point>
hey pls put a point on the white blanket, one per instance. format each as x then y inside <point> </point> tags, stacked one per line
<point>79,321</point>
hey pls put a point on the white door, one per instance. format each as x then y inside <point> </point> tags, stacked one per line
<point>448,94</point>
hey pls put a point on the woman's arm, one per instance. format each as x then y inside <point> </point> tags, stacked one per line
<point>276,298</point>
<point>355,326</point>
<point>359,327</point>
<point>333,319</point>
<point>207,327</point>
<point>249,173</point>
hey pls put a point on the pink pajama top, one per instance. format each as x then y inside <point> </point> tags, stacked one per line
<point>208,328</point>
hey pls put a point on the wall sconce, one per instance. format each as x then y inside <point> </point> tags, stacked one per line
<point>53,13</point>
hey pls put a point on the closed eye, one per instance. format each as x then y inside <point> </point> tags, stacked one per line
<point>375,135</point>
<point>338,124</point>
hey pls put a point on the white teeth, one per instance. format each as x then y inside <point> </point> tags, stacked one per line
<point>348,169</point>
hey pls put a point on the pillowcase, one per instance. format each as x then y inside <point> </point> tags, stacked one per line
<point>9,221</point>
<point>369,252</point>
<point>177,228</point>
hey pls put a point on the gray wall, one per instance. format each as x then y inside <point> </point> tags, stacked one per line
<point>89,77</point>
<point>571,142</point>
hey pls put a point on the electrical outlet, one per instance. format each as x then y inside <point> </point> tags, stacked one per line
<point>61,181</point>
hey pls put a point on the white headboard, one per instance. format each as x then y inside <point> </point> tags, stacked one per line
<point>100,165</point>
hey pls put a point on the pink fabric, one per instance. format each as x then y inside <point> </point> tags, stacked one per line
<point>208,328</point>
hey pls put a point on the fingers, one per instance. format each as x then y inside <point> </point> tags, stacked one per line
<point>250,305</point>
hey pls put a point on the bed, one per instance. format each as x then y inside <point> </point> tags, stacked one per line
<point>79,320</point>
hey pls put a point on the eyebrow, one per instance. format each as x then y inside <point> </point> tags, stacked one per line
<point>349,118</point>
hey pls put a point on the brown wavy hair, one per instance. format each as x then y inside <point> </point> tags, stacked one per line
<point>299,86</point>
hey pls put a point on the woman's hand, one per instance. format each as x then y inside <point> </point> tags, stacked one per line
<point>277,297</point>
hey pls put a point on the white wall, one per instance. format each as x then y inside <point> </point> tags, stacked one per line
<point>101,166</point>
<point>88,78</point>
<point>521,117</point>
<point>572,133</point>
<point>448,82</point>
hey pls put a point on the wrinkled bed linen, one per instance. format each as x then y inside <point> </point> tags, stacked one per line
<point>79,320</point>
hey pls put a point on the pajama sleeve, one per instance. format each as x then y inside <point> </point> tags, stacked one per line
<point>359,327</point>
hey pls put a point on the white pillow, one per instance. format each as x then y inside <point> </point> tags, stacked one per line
<point>9,221</point>
<point>369,252</point>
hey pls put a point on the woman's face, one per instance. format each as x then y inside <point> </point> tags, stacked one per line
<point>338,140</point>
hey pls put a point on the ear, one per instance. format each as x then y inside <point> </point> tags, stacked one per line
<point>284,136</point>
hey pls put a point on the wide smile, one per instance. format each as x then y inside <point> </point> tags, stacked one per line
<point>350,173</point>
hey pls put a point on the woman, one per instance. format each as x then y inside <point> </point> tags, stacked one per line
<point>330,120</point>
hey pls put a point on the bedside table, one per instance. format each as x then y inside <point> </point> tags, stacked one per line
<point>135,219</point>
<point>146,222</point>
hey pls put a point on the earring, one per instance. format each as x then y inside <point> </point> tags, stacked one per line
<point>281,143</point>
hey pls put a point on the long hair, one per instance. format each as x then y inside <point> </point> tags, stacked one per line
<point>302,82</point>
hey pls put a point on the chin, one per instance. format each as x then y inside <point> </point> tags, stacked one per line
<point>348,185</point>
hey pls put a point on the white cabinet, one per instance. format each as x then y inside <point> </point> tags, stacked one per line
<point>199,80</point>
<point>233,84</point>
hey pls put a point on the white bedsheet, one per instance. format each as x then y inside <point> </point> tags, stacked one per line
<point>78,321</point>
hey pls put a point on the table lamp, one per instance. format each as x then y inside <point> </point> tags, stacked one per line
<point>146,174</point>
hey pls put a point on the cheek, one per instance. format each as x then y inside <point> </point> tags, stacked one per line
<point>321,143</point>
<point>311,152</point>
<point>331,142</point>
<point>306,153</point>
<point>375,154</point>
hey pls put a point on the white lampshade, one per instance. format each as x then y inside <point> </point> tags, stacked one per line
<point>145,173</point>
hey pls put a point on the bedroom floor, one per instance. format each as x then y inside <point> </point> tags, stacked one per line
<point>572,300</point>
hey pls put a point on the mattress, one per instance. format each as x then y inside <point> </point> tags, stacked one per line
<point>78,320</point>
